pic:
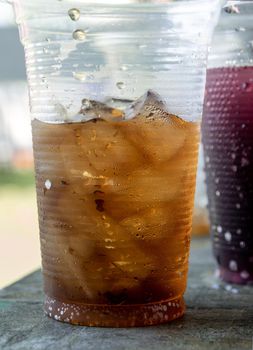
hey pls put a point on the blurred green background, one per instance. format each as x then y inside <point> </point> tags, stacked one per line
<point>19,238</point>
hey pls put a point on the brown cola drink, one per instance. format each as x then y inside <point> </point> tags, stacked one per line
<point>115,195</point>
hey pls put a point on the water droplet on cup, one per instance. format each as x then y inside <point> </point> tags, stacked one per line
<point>120,85</point>
<point>240,29</point>
<point>74,14</point>
<point>244,274</point>
<point>81,76</point>
<point>247,87</point>
<point>123,68</point>
<point>48,184</point>
<point>219,229</point>
<point>228,236</point>
<point>79,35</point>
<point>242,244</point>
<point>231,9</point>
<point>86,104</point>
<point>233,265</point>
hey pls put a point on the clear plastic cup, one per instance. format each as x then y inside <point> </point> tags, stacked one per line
<point>228,142</point>
<point>116,91</point>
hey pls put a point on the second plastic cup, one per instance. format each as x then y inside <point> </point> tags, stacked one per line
<point>116,97</point>
<point>228,142</point>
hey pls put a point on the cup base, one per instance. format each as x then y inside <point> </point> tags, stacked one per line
<point>229,276</point>
<point>96,315</point>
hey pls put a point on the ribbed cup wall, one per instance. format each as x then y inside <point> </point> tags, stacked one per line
<point>115,198</point>
<point>123,51</point>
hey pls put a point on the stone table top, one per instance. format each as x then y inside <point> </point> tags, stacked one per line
<point>218,317</point>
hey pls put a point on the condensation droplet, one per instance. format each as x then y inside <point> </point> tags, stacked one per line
<point>244,274</point>
<point>120,85</point>
<point>86,104</point>
<point>242,244</point>
<point>244,162</point>
<point>217,193</point>
<point>239,231</point>
<point>232,9</point>
<point>233,155</point>
<point>240,29</point>
<point>233,265</point>
<point>124,68</point>
<point>79,35</point>
<point>234,168</point>
<point>228,236</point>
<point>81,76</point>
<point>48,184</point>
<point>219,229</point>
<point>247,87</point>
<point>74,14</point>
<point>238,205</point>
<point>217,180</point>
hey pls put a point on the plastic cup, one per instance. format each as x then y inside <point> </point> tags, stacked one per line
<point>116,91</point>
<point>228,143</point>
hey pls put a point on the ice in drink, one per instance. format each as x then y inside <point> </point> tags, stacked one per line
<point>115,195</point>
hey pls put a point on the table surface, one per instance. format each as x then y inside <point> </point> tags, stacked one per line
<point>218,316</point>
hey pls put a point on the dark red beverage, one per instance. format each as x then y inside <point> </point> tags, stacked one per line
<point>228,147</point>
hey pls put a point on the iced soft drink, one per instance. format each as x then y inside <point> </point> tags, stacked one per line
<point>115,196</point>
<point>228,146</point>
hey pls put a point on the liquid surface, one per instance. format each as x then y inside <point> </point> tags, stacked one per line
<point>228,146</point>
<point>115,197</point>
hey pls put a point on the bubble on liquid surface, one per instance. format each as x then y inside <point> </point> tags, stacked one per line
<point>79,35</point>
<point>120,85</point>
<point>228,236</point>
<point>74,14</point>
<point>81,76</point>
<point>232,9</point>
<point>233,265</point>
<point>48,184</point>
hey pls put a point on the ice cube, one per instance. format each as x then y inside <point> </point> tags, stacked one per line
<point>149,105</point>
<point>91,109</point>
<point>119,103</point>
<point>156,133</point>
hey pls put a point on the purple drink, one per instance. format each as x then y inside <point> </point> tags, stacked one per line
<point>228,147</point>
